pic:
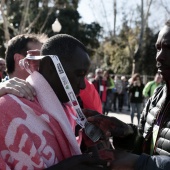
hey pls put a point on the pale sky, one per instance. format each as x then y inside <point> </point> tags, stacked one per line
<point>101,11</point>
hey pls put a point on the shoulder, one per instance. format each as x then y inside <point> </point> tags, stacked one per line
<point>8,105</point>
<point>150,83</point>
<point>6,100</point>
<point>160,88</point>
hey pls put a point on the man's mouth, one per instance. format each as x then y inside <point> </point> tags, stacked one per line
<point>163,68</point>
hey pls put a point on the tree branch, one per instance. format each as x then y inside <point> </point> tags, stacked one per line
<point>5,21</point>
<point>48,14</point>
<point>147,13</point>
<point>28,29</point>
<point>166,9</point>
<point>24,16</point>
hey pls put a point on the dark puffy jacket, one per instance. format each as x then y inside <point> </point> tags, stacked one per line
<point>156,111</point>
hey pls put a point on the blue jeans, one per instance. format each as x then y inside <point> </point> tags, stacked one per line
<point>136,108</point>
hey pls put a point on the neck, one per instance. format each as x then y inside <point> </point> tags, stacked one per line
<point>18,75</point>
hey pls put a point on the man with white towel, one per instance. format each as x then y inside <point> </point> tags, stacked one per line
<point>40,134</point>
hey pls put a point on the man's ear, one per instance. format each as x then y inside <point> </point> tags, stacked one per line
<point>17,58</point>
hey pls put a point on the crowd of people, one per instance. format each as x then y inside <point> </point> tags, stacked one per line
<point>118,92</point>
<point>40,113</point>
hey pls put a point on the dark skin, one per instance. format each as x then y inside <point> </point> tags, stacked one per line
<point>163,58</point>
<point>75,71</point>
<point>111,125</point>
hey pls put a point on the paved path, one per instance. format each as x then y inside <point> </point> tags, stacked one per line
<point>123,116</point>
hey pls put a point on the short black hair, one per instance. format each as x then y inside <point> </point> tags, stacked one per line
<point>18,44</point>
<point>62,45</point>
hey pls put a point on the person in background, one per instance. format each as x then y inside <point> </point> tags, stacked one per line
<point>90,76</point>
<point>90,98</point>
<point>17,50</point>
<point>118,94</point>
<point>136,96</point>
<point>100,85</point>
<point>125,90</point>
<point>2,69</point>
<point>152,85</point>
<point>109,94</point>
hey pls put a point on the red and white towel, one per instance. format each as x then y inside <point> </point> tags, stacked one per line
<point>35,135</point>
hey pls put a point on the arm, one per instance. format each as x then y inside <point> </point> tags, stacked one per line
<point>146,89</point>
<point>112,84</point>
<point>157,162</point>
<point>82,162</point>
<point>124,160</point>
<point>120,132</point>
<point>111,125</point>
<point>90,97</point>
<point>134,141</point>
<point>17,87</point>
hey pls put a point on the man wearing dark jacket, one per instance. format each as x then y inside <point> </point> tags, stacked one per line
<point>146,147</point>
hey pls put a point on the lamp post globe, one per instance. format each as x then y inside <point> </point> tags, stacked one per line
<point>56,26</point>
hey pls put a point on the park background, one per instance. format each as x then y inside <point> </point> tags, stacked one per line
<point>120,35</point>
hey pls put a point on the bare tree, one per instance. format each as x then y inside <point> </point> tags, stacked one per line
<point>165,7</point>
<point>115,15</point>
<point>5,21</point>
<point>26,25</point>
<point>105,16</point>
<point>144,23</point>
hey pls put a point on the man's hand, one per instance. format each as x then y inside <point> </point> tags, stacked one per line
<point>17,87</point>
<point>80,162</point>
<point>123,160</point>
<point>89,113</point>
<point>111,125</point>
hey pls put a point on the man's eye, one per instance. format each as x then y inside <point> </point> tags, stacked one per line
<point>158,48</point>
<point>81,75</point>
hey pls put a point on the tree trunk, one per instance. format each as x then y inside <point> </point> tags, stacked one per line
<point>5,22</point>
<point>136,69</point>
<point>144,23</point>
<point>115,15</point>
